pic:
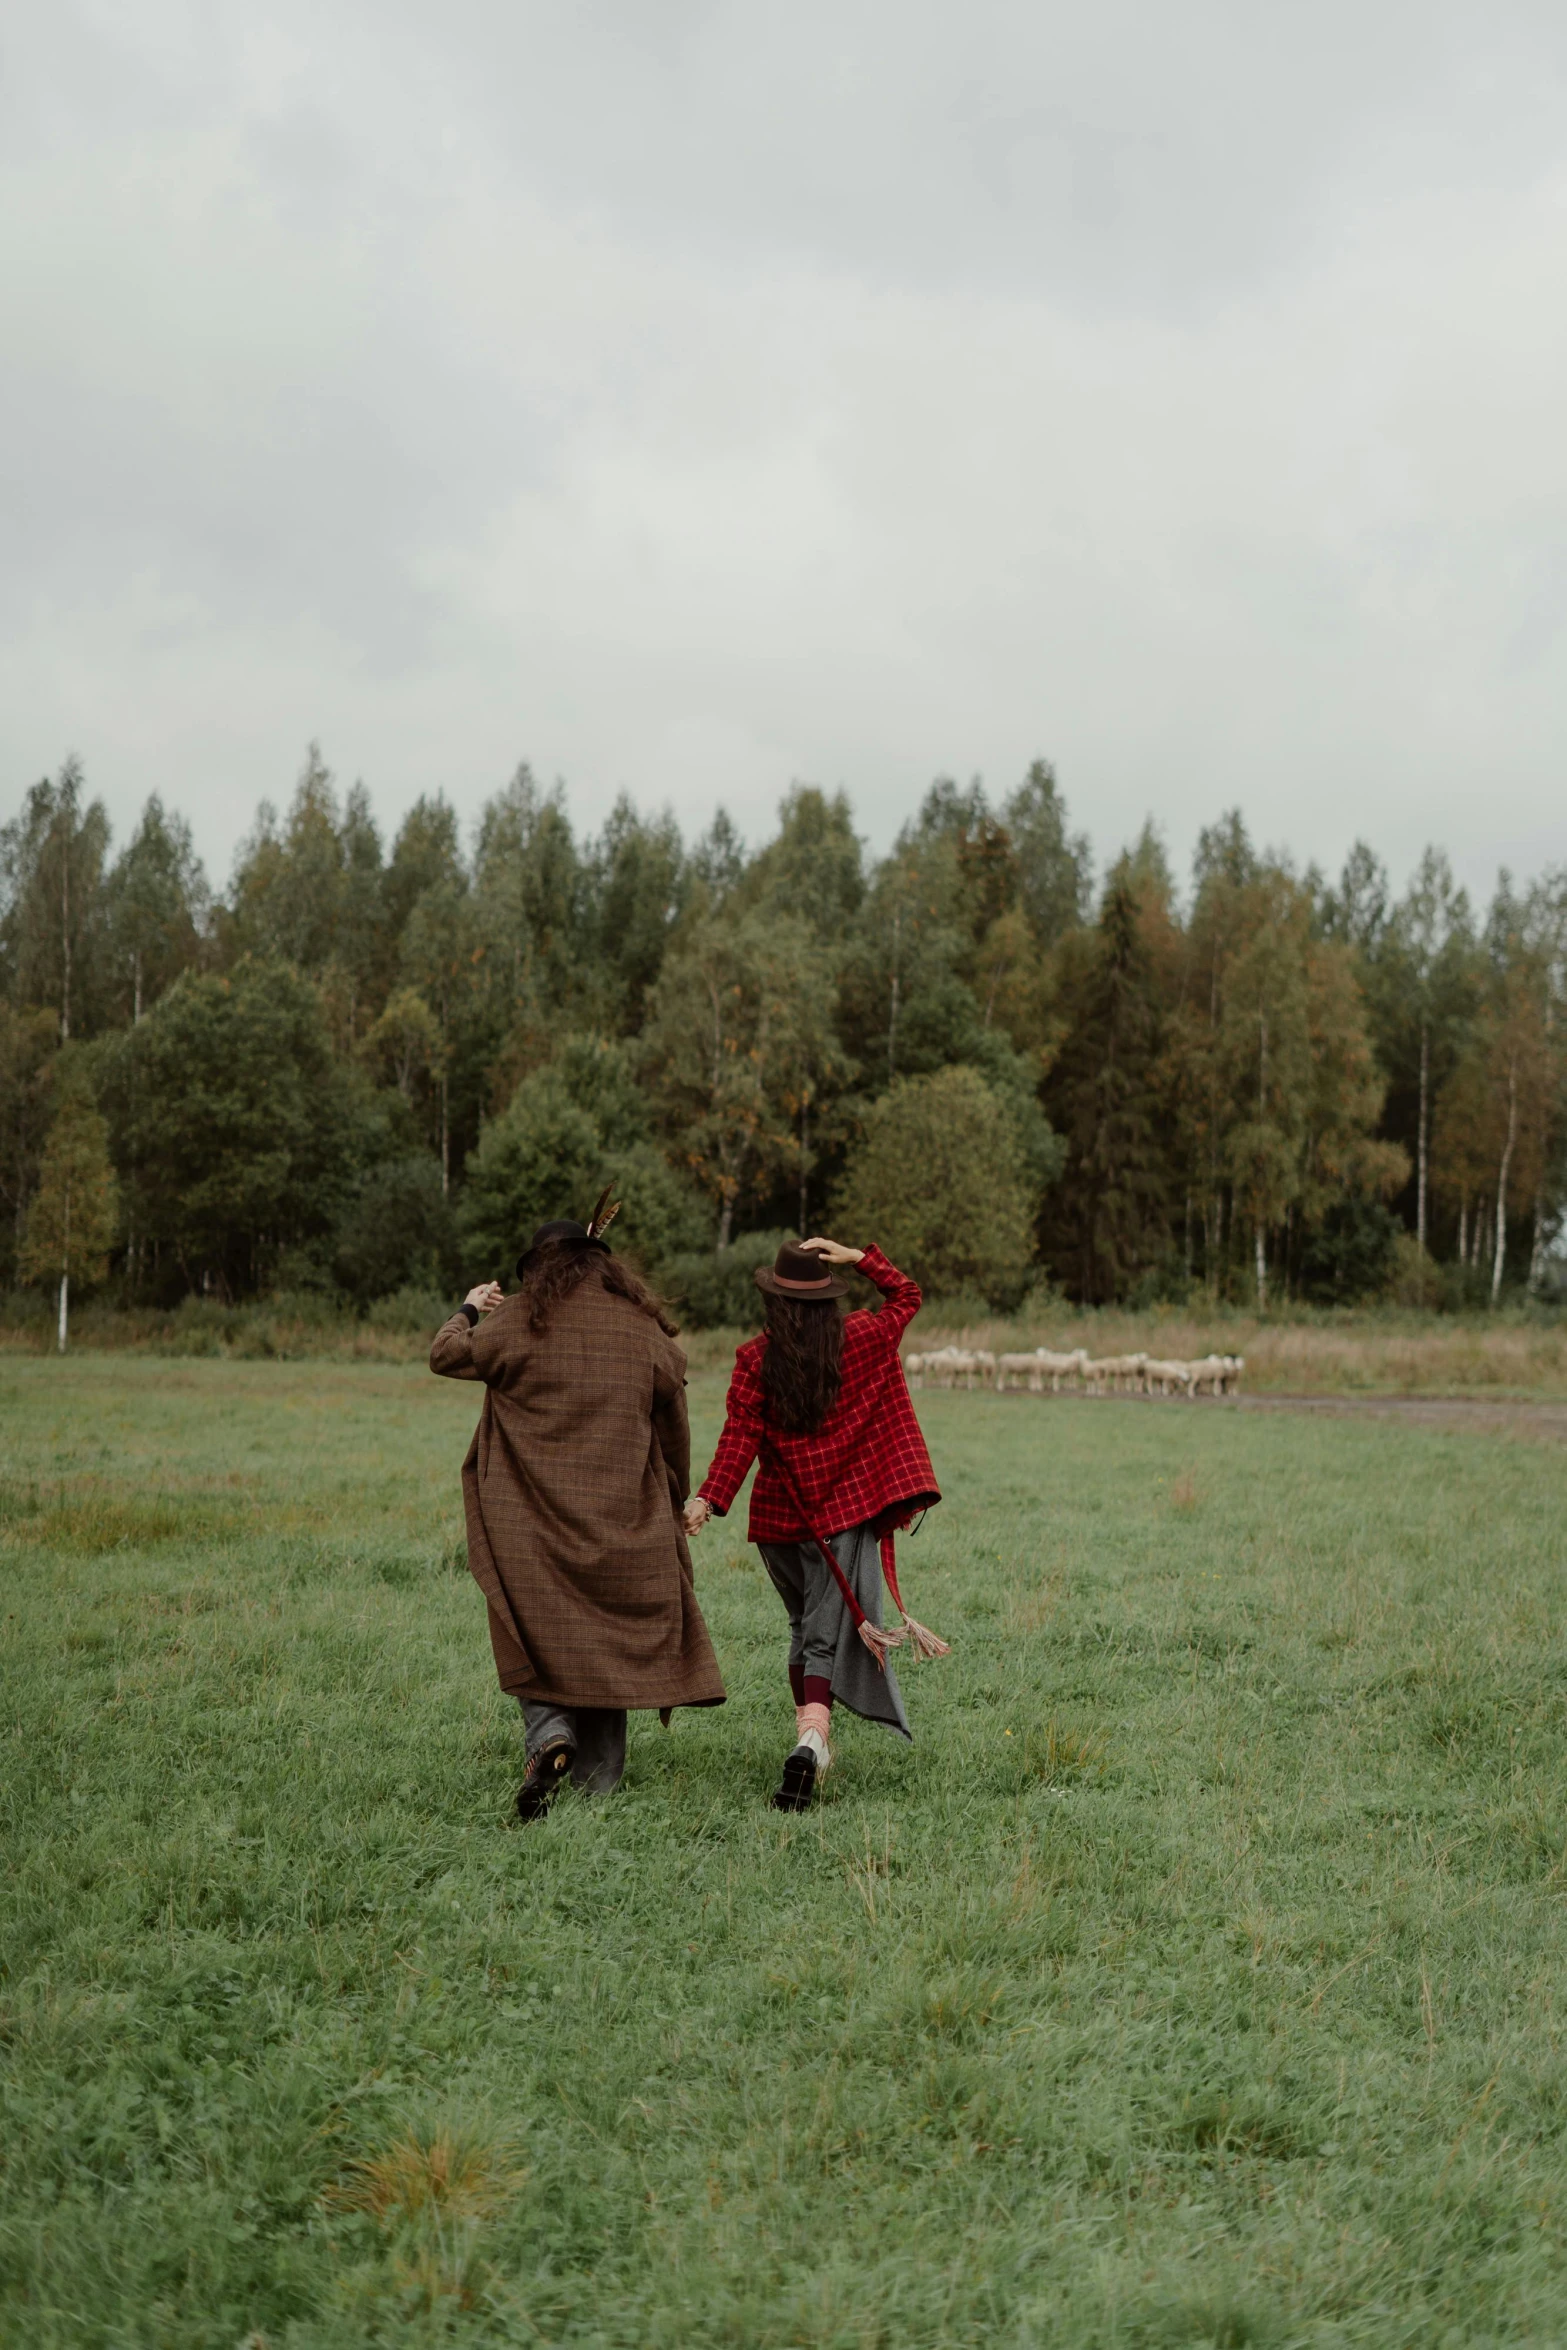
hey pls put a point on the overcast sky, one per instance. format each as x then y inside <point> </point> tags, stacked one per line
<point>692,397</point>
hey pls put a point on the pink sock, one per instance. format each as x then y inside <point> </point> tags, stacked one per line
<point>813,1717</point>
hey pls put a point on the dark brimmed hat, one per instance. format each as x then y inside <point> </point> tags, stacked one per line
<point>561,1229</point>
<point>799,1272</point>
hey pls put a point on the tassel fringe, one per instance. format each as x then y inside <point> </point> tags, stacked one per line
<point>879,1642</point>
<point>925,1643</point>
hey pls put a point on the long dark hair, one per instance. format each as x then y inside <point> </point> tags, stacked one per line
<point>557,1267</point>
<point>802,1362</point>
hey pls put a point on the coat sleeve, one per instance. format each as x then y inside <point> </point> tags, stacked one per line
<point>903,1300</point>
<point>740,1440</point>
<point>451,1351</point>
<point>672,1426</point>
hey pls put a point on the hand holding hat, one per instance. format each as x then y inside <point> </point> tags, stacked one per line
<point>800,1270</point>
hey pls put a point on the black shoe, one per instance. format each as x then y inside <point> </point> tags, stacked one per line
<point>798,1783</point>
<point>545,1777</point>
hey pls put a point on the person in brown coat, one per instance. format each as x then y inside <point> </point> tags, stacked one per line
<point>572,1493</point>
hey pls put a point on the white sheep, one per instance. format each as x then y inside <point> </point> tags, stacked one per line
<point>1110,1372</point>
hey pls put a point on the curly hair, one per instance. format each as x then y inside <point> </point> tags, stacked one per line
<point>802,1362</point>
<point>560,1266</point>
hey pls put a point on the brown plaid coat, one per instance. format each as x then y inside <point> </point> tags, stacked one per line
<point>572,1490</point>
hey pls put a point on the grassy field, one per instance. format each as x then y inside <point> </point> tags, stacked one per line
<point>1197,1977</point>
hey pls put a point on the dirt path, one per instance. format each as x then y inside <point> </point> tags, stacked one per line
<point>1482,1415</point>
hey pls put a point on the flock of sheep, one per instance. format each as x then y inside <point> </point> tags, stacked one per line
<point>956,1366</point>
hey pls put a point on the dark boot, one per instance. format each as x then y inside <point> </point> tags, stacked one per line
<point>798,1783</point>
<point>543,1780</point>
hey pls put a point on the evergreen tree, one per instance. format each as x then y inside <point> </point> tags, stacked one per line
<point>1109,1220</point>
<point>360,973</point>
<point>1055,868</point>
<point>288,882</point>
<point>718,860</point>
<point>1356,912</point>
<point>425,855</point>
<point>157,903</point>
<point>907,1005</point>
<point>532,909</point>
<point>638,884</point>
<point>813,868</point>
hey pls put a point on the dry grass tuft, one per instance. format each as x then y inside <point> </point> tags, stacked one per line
<point>88,1515</point>
<point>1031,1611</point>
<point>869,1874</point>
<point>1183,1493</point>
<point>445,2174</point>
<point>1058,1753</point>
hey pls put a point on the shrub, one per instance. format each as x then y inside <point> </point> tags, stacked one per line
<point>940,1183</point>
<point>713,1289</point>
<point>1416,1278</point>
<point>1351,1252</point>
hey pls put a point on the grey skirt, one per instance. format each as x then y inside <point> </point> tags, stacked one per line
<point>822,1634</point>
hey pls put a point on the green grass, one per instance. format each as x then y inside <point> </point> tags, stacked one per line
<point>1197,1978</point>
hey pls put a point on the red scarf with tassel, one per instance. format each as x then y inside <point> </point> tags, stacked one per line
<point>924,1643</point>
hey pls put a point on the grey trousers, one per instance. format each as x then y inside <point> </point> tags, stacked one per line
<point>596,1735</point>
<point>822,1637</point>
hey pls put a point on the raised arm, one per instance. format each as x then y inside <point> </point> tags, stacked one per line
<point>451,1350</point>
<point>902,1294</point>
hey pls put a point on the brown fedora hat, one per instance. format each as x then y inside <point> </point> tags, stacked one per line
<point>799,1272</point>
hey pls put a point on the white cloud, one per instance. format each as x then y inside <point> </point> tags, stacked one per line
<point>688,400</point>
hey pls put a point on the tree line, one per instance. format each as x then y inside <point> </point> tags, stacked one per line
<point>366,1067</point>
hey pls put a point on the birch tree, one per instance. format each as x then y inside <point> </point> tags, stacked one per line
<point>1423,984</point>
<point>29,1041</point>
<point>73,1217</point>
<point>52,902</point>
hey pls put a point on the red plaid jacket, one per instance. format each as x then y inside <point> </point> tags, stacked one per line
<point>868,1458</point>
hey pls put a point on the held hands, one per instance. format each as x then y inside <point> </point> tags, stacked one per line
<point>696,1514</point>
<point>833,1250</point>
<point>486,1297</point>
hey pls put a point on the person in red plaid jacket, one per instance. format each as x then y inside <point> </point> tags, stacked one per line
<point>821,1397</point>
